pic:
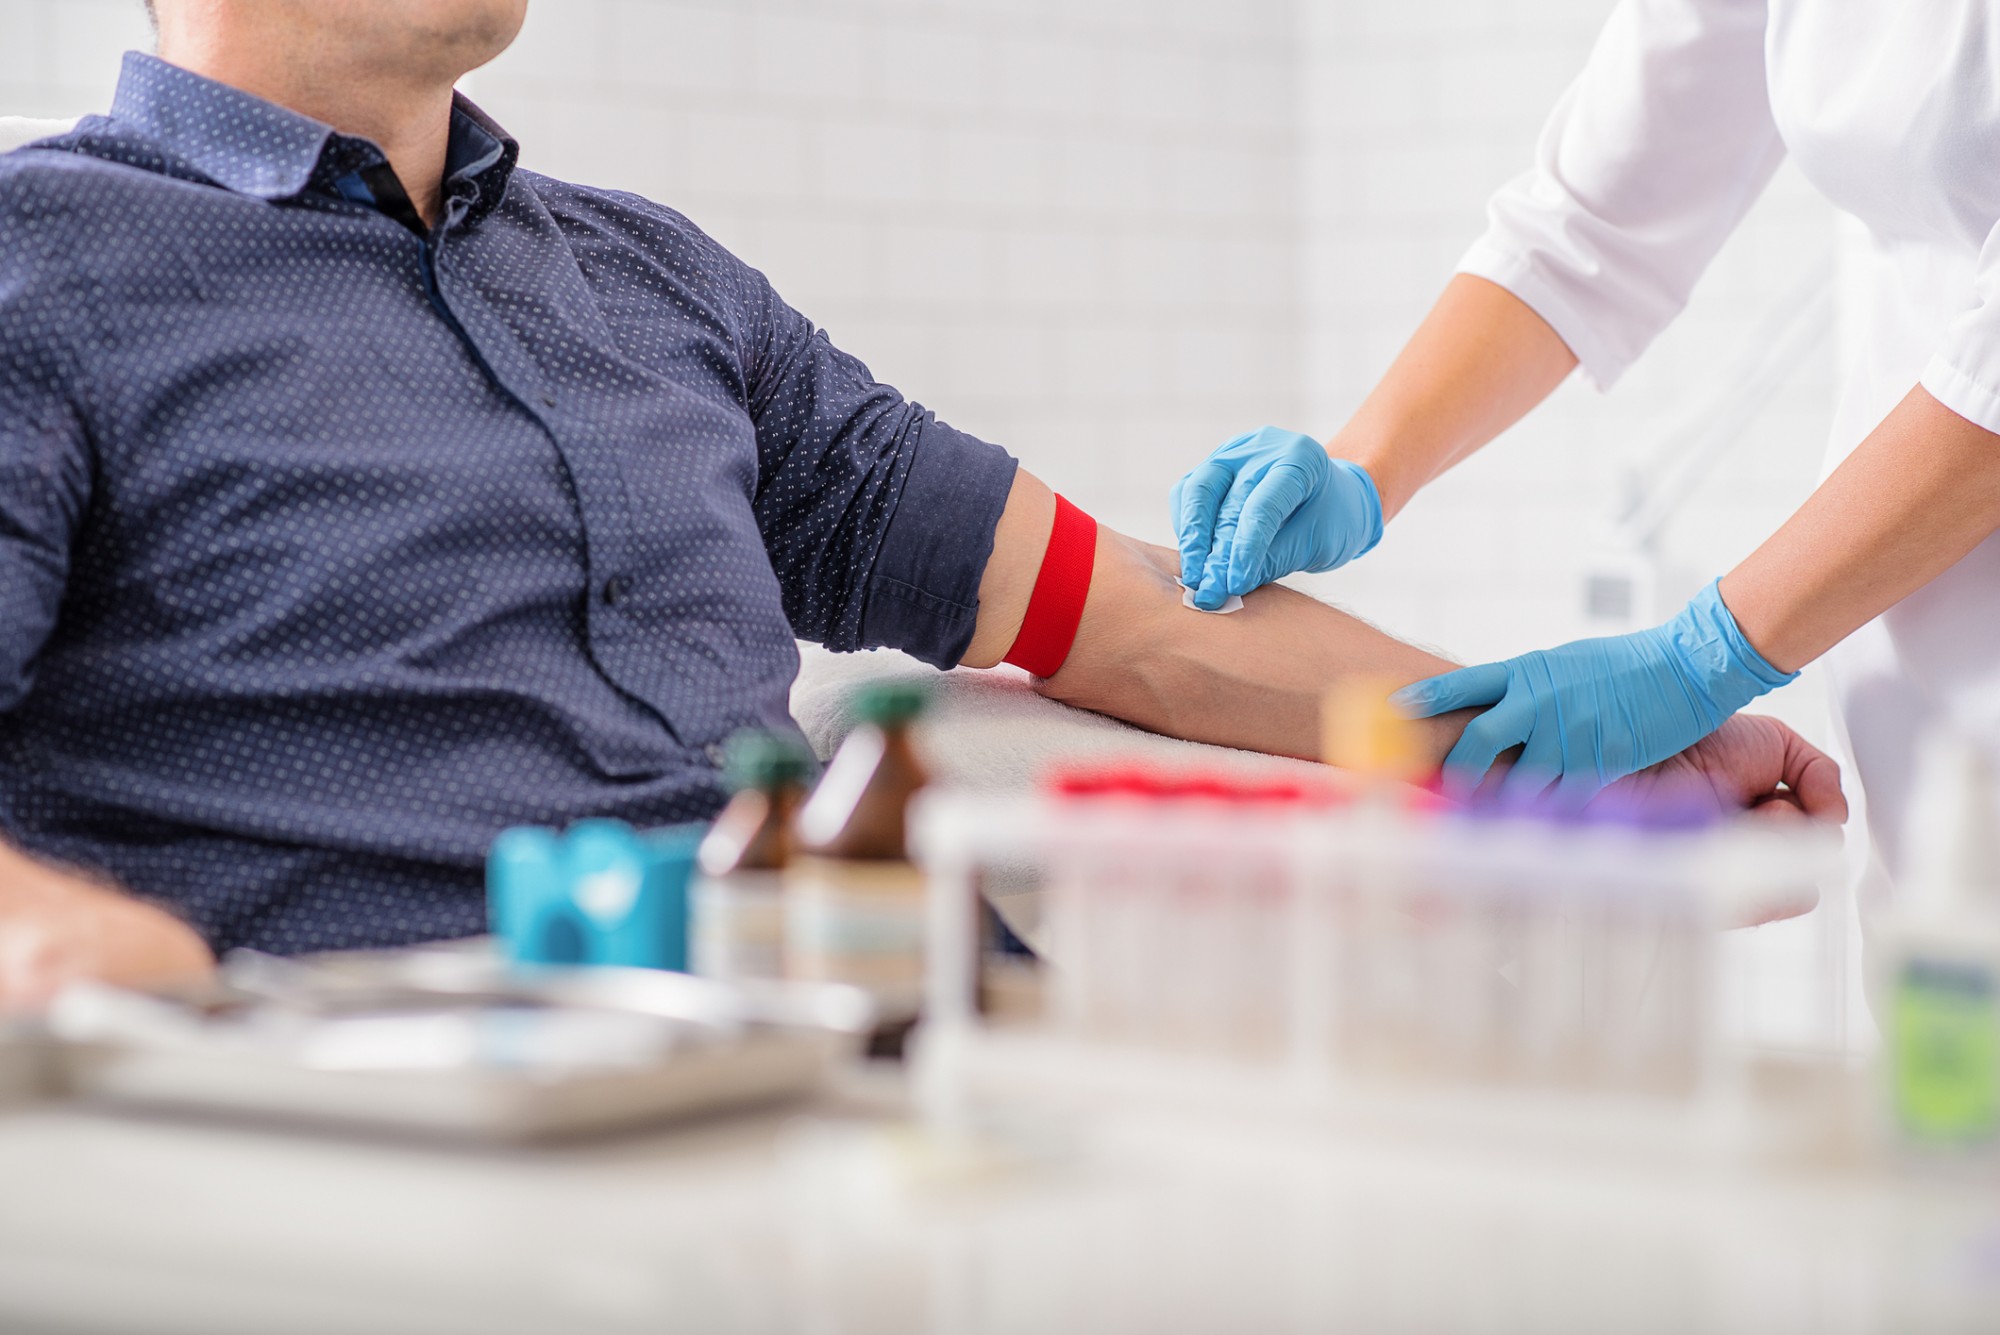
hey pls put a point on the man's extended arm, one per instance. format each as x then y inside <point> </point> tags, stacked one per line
<point>1255,679</point>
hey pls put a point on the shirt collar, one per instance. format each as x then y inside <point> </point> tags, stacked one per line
<point>479,160</point>
<point>254,147</point>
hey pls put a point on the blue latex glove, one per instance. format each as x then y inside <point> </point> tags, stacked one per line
<point>1594,711</point>
<point>1266,504</point>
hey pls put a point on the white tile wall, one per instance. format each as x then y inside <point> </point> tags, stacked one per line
<point>1071,227</point>
<point>60,57</point>
<point>1108,233</point>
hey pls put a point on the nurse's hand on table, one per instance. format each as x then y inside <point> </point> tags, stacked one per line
<point>1590,712</point>
<point>58,927</point>
<point>1266,504</point>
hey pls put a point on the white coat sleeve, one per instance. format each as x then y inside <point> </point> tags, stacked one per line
<point>1647,164</point>
<point>1964,371</point>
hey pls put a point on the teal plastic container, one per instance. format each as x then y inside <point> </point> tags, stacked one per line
<point>603,893</point>
<point>527,898</point>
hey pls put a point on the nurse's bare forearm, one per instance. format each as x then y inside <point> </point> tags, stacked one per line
<point>1481,359</point>
<point>1252,679</point>
<point>1917,495</point>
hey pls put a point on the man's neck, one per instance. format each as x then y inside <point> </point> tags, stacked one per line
<point>410,122</point>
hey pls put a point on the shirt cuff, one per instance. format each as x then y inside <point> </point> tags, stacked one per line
<point>1976,401</point>
<point>923,594</point>
<point>1502,265</point>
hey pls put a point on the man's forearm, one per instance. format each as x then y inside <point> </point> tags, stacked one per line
<point>1253,679</point>
<point>1256,678</point>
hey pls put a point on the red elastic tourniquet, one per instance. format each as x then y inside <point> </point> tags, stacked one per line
<point>1056,605</point>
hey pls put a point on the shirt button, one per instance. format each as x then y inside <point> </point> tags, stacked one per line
<point>716,752</point>
<point>548,398</point>
<point>615,590</point>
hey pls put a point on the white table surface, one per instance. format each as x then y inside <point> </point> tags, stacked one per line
<point>120,1222</point>
<point>828,1220</point>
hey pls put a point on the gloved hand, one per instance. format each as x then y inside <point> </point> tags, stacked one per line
<point>1595,711</point>
<point>1266,504</point>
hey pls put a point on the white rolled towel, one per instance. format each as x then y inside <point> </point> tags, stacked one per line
<point>18,130</point>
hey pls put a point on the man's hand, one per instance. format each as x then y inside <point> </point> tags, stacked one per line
<point>1742,765</point>
<point>57,927</point>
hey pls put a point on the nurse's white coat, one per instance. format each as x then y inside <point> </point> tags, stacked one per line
<point>1893,111</point>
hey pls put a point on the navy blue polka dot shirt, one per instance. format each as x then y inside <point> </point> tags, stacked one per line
<point>329,546</point>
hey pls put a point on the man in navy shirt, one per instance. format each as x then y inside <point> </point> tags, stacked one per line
<point>362,494</point>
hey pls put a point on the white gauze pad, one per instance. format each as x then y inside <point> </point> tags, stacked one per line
<point>1230,604</point>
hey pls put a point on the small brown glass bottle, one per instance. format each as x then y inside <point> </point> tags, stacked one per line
<point>854,903</point>
<point>738,904</point>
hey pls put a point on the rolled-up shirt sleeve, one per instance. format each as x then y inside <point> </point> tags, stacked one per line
<point>878,517</point>
<point>1964,371</point>
<point>1649,161</point>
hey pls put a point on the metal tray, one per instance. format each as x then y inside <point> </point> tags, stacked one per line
<point>453,1043</point>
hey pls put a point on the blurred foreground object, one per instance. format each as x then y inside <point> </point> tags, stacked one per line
<point>739,907</point>
<point>854,903</point>
<point>1332,939</point>
<point>59,927</point>
<point>1362,733</point>
<point>603,893</point>
<point>1939,962</point>
<point>454,1042</point>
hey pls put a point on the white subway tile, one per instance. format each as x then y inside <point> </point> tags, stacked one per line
<point>1388,93</point>
<point>1107,174</point>
<point>826,57</point>
<point>568,45</point>
<point>1249,181</point>
<point>744,155</point>
<point>1256,91</point>
<point>1157,86</point>
<point>82,42</point>
<point>597,143</point>
<point>1228,362</point>
<point>1155,271</point>
<point>679,47</point>
<point>1256,272</point>
<point>821,260</point>
<point>936,267</point>
<point>878,161</point>
<point>1040,73</point>
<point>1003,170</point>
<point>992,361</point>
<point>929,65</point>
<point>20,52</point>
<point>1052,270</point>
<point>1119,362</point>
<point>898,351</point>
